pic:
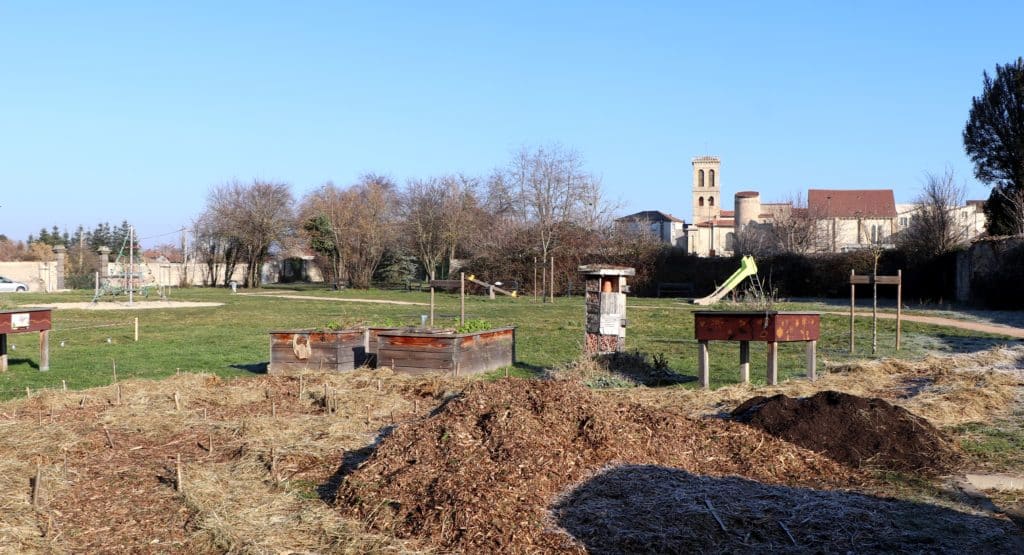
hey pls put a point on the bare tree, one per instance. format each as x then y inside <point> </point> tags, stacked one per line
<point>546,188</point>
<point>797,230</point>
<point>256,215</point>
<point>323,214</point>
<point>423,213</point>
<point>933,227</point>
<point>754,239</point>
<point>1012,209</point>
<point>359,223</point>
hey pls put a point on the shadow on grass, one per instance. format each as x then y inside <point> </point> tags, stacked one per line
<point>253,367</point>
<point>654,509</point>
<point>16,361</point>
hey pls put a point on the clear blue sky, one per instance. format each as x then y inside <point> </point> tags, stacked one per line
<point>133,110</point>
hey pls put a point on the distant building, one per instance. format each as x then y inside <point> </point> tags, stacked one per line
<point>970,218</point>
<point>666,227</point>
<point>853,219</point>
<point>845,219</point>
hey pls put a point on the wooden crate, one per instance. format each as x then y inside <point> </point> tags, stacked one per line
<point>293,351</point>
<point>422,351</point>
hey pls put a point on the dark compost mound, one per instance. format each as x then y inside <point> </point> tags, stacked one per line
<point>854,430</point>
<point>480,474</point>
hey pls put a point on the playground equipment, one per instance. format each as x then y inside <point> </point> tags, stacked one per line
<point>491,288</point>
<point>747,268</point>
<point>131,278</point>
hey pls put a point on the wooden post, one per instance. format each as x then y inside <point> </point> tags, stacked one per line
<point>535,278</point>
<point>113,364</point>
<point>552,280</point>
<point>37,486</point>
<point>703,373</point>
<point>812,359</point>
<point>874,307</point>
<point>3,352</point>
<point>745,361</point>
<point>136,328</point>
<point>462,298</point>
<point>178,484</point>
<point>773,363</point>
<point>44,350</point>
<point>431,306</point>
<point>899,306</point>
<point>853,299</point>
<point>177,401</point>
<point>543,283</point>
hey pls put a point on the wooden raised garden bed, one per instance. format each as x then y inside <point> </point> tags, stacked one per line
<point>422,351</point>
<point>293,351</point>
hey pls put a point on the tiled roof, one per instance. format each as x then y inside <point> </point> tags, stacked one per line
<point>856,203</point>
<point>727,213</point>
<point>650,216</point>
<point>718,223</point>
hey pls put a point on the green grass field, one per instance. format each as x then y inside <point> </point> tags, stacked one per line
<point>232,340</point>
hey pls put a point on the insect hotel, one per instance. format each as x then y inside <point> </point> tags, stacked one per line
<point>605,308</point>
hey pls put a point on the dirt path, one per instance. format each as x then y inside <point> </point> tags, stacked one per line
<point>997,329</point>
<point>314,298</point>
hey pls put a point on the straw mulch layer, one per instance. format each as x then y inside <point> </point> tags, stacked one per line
<point>854,430</point>
<point>651,509</point>
<point>255,454</point>
<point>480,474</point>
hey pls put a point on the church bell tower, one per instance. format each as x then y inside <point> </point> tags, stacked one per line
<point>707,190</point>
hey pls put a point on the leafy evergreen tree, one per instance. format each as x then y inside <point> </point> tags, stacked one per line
<point>994,140</point>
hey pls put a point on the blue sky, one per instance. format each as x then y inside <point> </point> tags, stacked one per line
<point>112,111</point>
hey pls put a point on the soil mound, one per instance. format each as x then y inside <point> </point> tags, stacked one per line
<point>480,474</point>
<point>856,431</point>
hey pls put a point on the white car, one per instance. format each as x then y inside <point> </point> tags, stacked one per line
<point>7,285</point>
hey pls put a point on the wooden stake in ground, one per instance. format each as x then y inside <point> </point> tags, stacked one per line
<point>118,389</point>
<point>179,484</point>
<point>552,279</point>
<point>302,385</point>
<point>136,329</point>
<point>114,365</point>
<point>110,440</point>
<point>177,401</point>
<point>37,486</point>
<point>64,386</point>
<point>462,299</point>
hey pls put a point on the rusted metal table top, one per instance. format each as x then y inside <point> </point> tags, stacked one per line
<point>768,326</point>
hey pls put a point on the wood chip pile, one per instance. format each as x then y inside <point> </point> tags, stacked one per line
<point>480,475</point>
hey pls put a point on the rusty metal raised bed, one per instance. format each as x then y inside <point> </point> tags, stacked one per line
<point>420,351</point>
<point>293,351</point>
<point>772,327</point>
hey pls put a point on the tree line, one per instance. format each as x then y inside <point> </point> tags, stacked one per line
<point>543,203</point>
